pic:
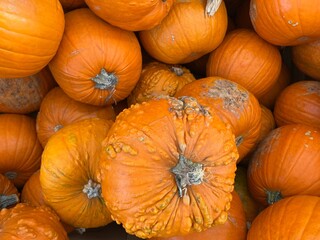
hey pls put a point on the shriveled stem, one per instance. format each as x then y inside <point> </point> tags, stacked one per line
<point>239,140</point>
<point>92,189</point>
<point>177,70</point>
<point>8,200</point>
<point>11,175</point>
<point>105,80</point>
<point>273,196</point>
<point>212,7</point>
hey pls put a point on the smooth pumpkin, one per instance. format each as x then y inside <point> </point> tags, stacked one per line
<point>9,194</point>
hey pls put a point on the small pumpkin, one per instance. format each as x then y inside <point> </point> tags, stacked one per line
<point>9,194</point>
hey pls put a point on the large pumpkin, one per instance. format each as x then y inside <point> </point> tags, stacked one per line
<point>284,22</point>
<point>20,149</point>
<point>245,58</point>
<point>96,63</point>
<point>30,35</point>
<point>186,34</point>
<point>233,103</point>
<point>168,168</point>
<point>68,173</point>
<point>284,164</point>
<point>9,194</point>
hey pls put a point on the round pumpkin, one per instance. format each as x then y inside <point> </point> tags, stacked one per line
<point>167,168</point>
<point>68,173</point>
<point>9,194</point>
<point>284,164</point>
<point>245,58</point>
<point>286,23</point>
<point>58,110</point>
<point>20,149</point>
<point>233,103</point>
<point>25,222</point>
<point>296,217</point>
<point>159,79</point>
<point>299,103</point>
<point>96,63</point>
<point>30,32</point>
<point>186,34</point>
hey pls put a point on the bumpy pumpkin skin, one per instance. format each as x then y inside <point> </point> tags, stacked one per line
<point>96,63</point>
<point>299,103</point>
<point>159,79</point>
<point>58,110</point>
<point>293,218</point>
<point>30,35</point>
<point>286,23</point>
<point>68,173</point>
<point>25,222</point>
<point>19,145</point>
<point>233,103</point>
<point>284,164</point>
<point>9,194</point>
<point>140,159</point>
<point>186,34</point>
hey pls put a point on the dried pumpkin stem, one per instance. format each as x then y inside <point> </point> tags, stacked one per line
<point>105,80</point>
<point>92,189</point>
<point>212,6</point>
<point>273,196</point>
<point>177,70</point>
<point>8,200</point>
<point>187,173</point>
<point>239,140</point>
<point>11,175</point>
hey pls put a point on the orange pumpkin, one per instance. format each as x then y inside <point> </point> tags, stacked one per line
<point>267,122</point>
<point>9,194</point>
<point>186,34</point>
<point>58,110</point>
<point>167,168</point>
<point>299,103</point>
<point>30,32</point>
<point>245,58</point>
<point>159,79</point>
<point>96,63</point>
<point>20,149</point>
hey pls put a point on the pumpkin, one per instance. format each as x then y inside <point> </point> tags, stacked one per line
<point>306,58</point>
<point>186,34</point>
<point>20,149</point>
<point>233,104</point>
<point>167,168</point>
<point>96,63</point>
<point>69,5</point>
<point>30,35</point>
<point>24,95</point>
<point>159,79</point>
<point>296,217</point>
<point>137,16</point>
<point>58,110</point>
<point>299,103</point>
<point>233,229</point>
<point>286,23</point>
<point>9,194</point>
<point>245,58</point>
<point>25,222</point>
<point>68,173</point>
<point>284,164</point>
<point>267,122</point>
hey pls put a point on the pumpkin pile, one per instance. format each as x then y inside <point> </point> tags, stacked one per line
<point>178,120</point>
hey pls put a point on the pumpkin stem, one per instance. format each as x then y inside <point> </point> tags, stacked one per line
<point>8,200</point>
<point>11,175</point>
<point>187,173</point>
<point>273,196</point>
<point>57,127</point>
<point>239,140</point>
<point>92,189</point>
<point>105,80</point>
<point>212,7</point>
<point>177,70</point>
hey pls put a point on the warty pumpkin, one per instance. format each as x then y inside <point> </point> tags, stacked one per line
<point>9,194</point>
<point>96,63</point>
<point>168,167</point>
<point>68,173</point>
<point>30,32</point>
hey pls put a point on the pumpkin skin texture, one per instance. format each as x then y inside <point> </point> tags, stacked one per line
<point>299,103</point>
<point>233,229</point>
<point>186,34</point>
<point>9,194</point>
<point>96,63</point>
<point>134,16</point>
<point>284,164</point>
<point>233,104</point>
<point>30,35</point>
<point>20,150</point>
<point>68,173</point>
<point>267,122</point>
<point>158,79</point>
<point>58,110</point>
<point>245,58</point>
<point>25,222</point>
<point>293,218</point>
<point>149,147</point>
<point>24,95</point>
<point>284,22</point>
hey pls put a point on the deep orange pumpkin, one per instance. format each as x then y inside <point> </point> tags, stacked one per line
<point>9,194</point>
<point>96,63</point>
<point>30,32</point>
